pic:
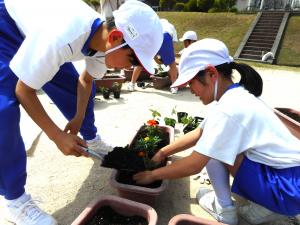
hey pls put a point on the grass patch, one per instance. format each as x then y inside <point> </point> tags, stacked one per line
<point>289,53</point>
<point>231,29</point>
<point>228,27</point>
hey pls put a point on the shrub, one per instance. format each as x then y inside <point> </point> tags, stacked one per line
<point>167,4</point>
<point>179,6</point>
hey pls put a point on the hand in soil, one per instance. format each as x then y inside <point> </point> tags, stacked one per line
<point>159,157</point>
<point>145,177</point>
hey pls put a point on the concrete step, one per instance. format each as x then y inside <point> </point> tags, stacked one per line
<point>248,56</point>
<point>266,29</point>
<point>252,52</point>
<point>256,48</point>
<point>269,24</point>
<point>266,26</point>
<point>264,37</point>
<point>264,33</point>
<point>261,41</point>
<point>258,44</point>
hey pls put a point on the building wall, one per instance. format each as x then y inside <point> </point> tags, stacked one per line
<point>268,4</point>
<point>242,5</point>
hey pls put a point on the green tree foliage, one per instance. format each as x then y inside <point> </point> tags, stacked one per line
<point>167,4</point>
<point>179,6</point>
<point>198,5</point>
<point>224,5</point>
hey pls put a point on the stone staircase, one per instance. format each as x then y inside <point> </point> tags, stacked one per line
<point>263,36</point>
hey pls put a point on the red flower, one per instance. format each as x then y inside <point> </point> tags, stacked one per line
<point>152,122</point>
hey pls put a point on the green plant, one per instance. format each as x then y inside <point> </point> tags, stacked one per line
<point>104,89</point>
<point>187,120</point>
<point>155,117</point>
<point>148,144</point>
<point>170,121</point>
<point>116,86</point>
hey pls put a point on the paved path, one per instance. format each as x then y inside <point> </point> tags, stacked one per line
<point>68,184</point>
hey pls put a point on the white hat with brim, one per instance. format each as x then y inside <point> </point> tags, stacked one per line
<point>189,35</point>
<point>198,56</point>
<point>141,29</point>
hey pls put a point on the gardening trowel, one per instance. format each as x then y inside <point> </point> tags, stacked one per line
<point>93,154</point>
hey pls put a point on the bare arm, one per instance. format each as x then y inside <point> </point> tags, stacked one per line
<point>181,144</point>
<point>68,144</point>
<point>84,87</point>
<point>184,167</point>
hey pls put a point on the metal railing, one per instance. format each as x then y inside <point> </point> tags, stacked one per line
<point>288,5</point>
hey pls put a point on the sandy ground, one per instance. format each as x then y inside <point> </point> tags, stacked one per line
<point>67,184</point>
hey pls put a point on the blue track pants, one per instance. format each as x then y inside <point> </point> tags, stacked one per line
<point>62,89</point>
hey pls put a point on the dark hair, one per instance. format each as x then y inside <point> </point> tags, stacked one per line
<point>110,23</point>
<point>250,78</point>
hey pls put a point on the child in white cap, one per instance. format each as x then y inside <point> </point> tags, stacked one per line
<point>166,54</point>
<point>188,38</point>
<point>240,135</point>
<point>38,41</point>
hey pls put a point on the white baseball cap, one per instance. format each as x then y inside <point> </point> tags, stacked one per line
<point>141,29</point>
<point>189,35</point>
<point>198,56</point>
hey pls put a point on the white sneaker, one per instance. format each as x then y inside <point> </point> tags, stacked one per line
<point>99,146</point>
<point>256,214</point>
<point>174,90</point>
<point>27,212</point>
<point>131,86</point>
<point>208,202</point>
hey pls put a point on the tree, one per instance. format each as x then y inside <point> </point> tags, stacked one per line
<point>199,5</point>
<point>224,5</point>
<point>179,6</point>
<point>167,4</point>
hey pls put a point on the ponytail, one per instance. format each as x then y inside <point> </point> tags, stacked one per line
<point>250,79</point>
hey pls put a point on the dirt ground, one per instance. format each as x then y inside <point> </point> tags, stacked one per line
<point>67,184</point>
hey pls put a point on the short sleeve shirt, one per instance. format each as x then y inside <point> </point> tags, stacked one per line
<point>55,32</point>
<point>241,123</point>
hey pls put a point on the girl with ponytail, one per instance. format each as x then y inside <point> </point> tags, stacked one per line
<point>240,136</point>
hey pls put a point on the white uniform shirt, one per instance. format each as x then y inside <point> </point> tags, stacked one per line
<point>55,32</point>
<point>169,28</point>
<point>240,122</point>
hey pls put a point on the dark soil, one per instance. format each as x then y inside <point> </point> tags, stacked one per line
<point>127,160</point>
<point>107,216</point>
<point>290,113</point>
<point>123,159</point>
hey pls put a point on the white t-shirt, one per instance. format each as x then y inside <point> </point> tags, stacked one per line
<point>169,28</point>
<point>240,122</point>
<point>55,32</point>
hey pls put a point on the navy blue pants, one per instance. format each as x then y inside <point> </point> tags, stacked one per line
<point>62,89</point>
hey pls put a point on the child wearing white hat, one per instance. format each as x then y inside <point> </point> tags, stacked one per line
<point>166,54</point>
<point>240,135</point>
<point>188,38</point>
<point>38,41</point>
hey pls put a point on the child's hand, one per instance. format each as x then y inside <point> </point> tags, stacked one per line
<point>158,157</point>
<point>70,144</point>
<point>73,126</point>
<point>145,177</point>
